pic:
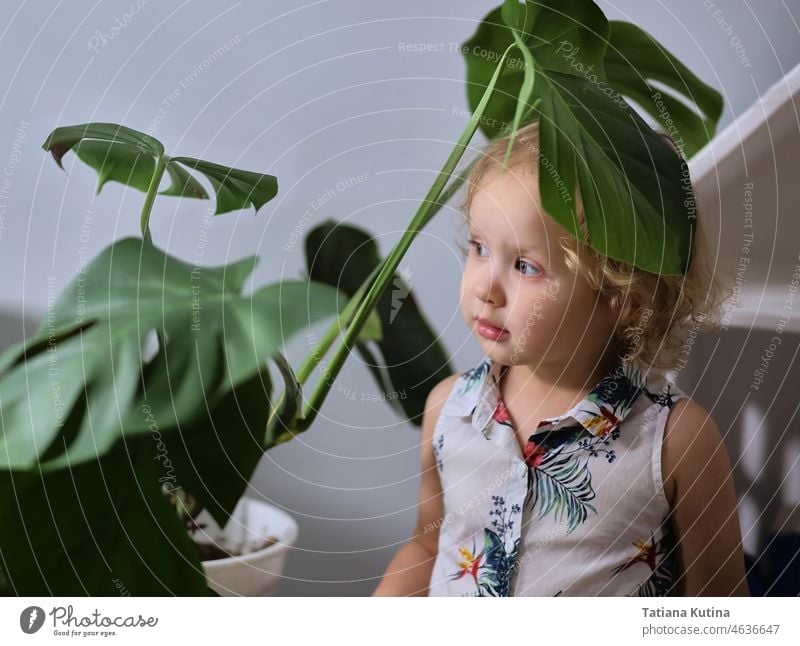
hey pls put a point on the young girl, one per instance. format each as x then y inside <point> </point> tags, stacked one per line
<point>566,463</point>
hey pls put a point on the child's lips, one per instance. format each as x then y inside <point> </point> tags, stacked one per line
<point>490,331</point>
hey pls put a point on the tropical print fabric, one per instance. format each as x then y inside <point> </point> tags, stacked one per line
<point>580,511</point>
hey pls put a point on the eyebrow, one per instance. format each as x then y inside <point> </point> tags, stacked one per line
<point>533,247</point>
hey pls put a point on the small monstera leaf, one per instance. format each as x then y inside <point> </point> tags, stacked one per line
<point>412,360</point>
<point>124,155</point>
<point>63,139</point>
<point>236,189</point>
<point>638,205</point>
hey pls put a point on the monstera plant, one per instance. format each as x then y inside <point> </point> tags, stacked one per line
<point>146,355</point>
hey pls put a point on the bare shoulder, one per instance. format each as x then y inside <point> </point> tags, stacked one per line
<point>430,509</point>
<point>704,508</point>
<point>442,390</point>
<point>691,439</point>
<point>436,399</point>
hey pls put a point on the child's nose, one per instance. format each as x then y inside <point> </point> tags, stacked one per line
<point>488,288</point>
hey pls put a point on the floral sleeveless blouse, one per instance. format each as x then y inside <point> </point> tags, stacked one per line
<point>582,511</point>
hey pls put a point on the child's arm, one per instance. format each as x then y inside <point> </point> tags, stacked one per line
<point>409,572</point>
<point>699,485</point>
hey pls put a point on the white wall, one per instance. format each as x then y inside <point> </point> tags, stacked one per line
<point>313,95</point>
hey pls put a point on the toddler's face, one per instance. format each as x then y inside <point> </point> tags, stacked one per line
<point>515,277</point>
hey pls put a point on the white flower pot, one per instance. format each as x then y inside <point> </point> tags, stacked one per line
<point>256,572</point>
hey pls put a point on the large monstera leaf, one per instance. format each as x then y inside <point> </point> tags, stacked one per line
<point>90,422</point>
<point>638,205</point>
<point>215,338</point>
<point>412,360</point>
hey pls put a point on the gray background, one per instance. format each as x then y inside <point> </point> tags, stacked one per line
<point>314,94</point>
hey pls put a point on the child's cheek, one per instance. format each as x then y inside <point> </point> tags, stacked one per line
<point>551,289</point>
<point>464,301</point>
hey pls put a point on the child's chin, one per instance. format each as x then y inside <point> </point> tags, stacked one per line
<point>503,352</point>
<point>499,350</point>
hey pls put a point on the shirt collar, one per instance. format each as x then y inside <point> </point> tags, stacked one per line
<point>600,412</point>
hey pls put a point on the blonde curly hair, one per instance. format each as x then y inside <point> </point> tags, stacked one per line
<point>654,313</point>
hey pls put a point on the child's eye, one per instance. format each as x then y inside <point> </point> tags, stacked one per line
<point>479,246</point>
<point>527,268</point>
